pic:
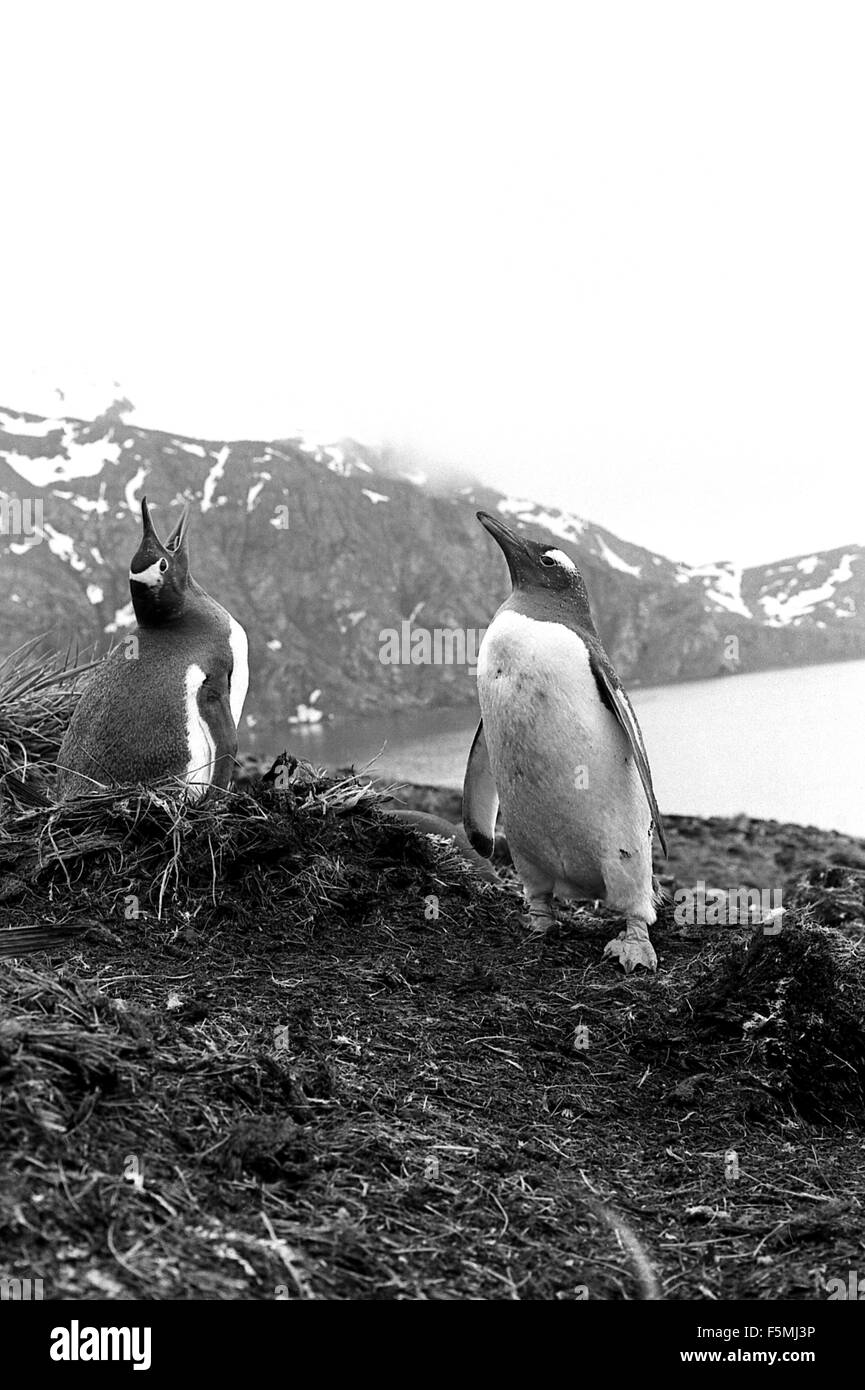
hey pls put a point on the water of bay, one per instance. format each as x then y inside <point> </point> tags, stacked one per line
<point>783,745</point>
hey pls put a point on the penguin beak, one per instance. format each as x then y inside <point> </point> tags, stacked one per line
<point>149,528</point>
<point>177,539</point>
<point>144,568</point>
<point>514,547</point>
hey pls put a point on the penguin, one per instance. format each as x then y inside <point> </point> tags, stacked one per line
<point>167,701</point>
<point>558,746</point>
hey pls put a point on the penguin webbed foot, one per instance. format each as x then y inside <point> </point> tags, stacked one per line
<point>632,949</point>
<point>541,920</point>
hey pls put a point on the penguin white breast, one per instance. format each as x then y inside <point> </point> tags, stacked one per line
<point>570,792</point>
<point>240,669</point>
<point>200,741</point>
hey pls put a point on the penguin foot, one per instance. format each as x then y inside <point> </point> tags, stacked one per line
<point>542,929</point>
<point>631,950</point>
<point>541,920</point>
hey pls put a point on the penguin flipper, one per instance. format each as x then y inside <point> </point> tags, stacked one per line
<point>436,825</point>
<point>215,711</point>
<point>480,798</point>
<point>615,697</point>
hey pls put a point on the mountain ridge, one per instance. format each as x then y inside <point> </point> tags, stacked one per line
<point>319,549</point>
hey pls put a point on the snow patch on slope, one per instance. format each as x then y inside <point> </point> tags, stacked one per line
<point>616,561</point>
<point>253,493</point>
<point>84,504</point>
<point>334,458</point>
<point>563,524</point>
<point>213,478</point>
<point>37,429</point>
<point>722,584</point>
<point>78,459</point>
<point>781,609</point>
<point>133,502</point>
<point>63,547</point>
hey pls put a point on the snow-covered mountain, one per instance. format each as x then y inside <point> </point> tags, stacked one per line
<point>319,548</point>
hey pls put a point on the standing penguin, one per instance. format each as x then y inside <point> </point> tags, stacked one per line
<point>560,747</point>
<point>167,702</point>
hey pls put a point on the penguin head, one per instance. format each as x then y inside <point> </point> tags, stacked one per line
<point>159,574</point>
<point>541,571</point>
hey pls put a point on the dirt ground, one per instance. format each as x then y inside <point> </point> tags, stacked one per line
<point>336,1066</point>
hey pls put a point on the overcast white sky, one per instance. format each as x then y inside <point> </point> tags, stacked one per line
<point>607,255</point>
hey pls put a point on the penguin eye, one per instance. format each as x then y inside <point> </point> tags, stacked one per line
<point>163,565</point>
<point>547,560</point>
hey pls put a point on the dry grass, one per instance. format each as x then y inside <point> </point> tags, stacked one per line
<point>300,1051</point>
<point>38,692</point>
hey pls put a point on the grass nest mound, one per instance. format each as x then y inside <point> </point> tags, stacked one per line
<point>266,859</point>
<point>287,1047</point>
<point>788,1010</point>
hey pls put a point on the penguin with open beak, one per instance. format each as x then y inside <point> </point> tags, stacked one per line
<point>560,749</point>
<point>166,702</point>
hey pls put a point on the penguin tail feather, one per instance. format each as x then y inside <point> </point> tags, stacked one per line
<point>661,895</point>
<point>22,941</point>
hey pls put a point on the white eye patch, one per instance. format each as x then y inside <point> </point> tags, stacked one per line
<point>153,576</point>
<point>561,559</point>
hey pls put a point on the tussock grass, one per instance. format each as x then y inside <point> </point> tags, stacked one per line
<point>38,693</point>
